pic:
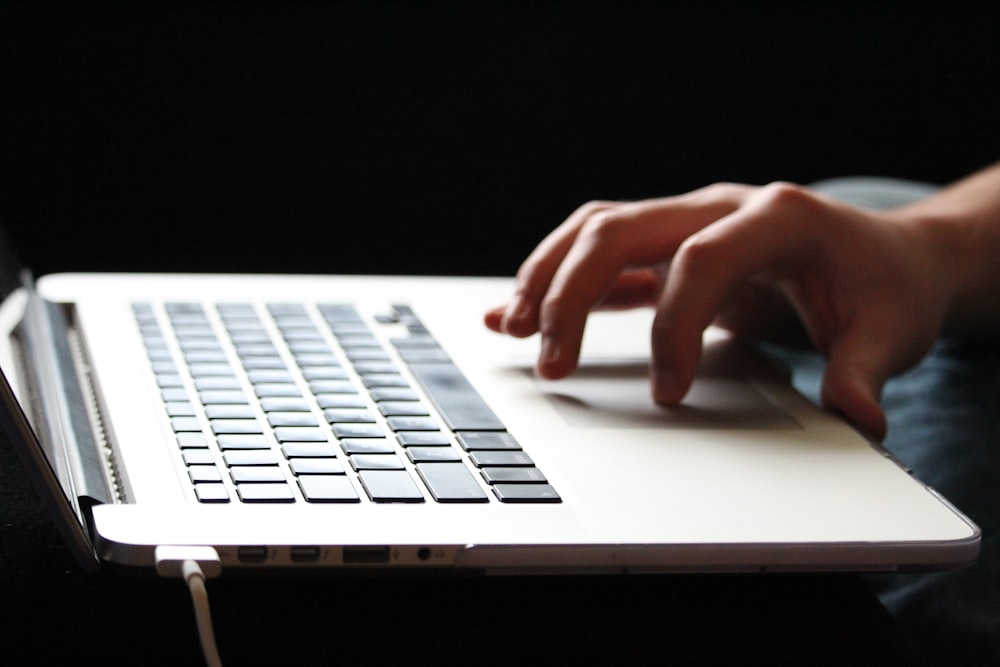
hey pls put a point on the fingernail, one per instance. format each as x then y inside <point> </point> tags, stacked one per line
<point>665,385</point>
<point>516,311</point>
<point>549,352</point>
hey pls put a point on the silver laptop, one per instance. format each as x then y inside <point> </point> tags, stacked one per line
<point>331,422</point>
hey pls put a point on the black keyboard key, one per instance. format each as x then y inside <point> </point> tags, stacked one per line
<point>308,450</point>
<point>423,439</point>
<point>265,493</point>
<point>243,441</point>
<point>451,483</point>
<point>526,493</point>
<point>250,457</point>
<point>317,466</point>
<point>462,408</point>
<point>204,473</point>
<point>490,440</point>
<point>328,489</point>
<point>390,486</point>
<point>506,475</point>
<point>433,455</point>
<point>258,474</point>
<point>211,493</point>
<point>484,459</point>
<point>367,446</point>
<point>376,462</point>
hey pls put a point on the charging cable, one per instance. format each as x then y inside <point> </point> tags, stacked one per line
<point>194,565</point>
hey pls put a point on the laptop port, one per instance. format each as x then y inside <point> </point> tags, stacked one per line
<point>304,554</point>
<point>366,555</point>
<point>252,554</point>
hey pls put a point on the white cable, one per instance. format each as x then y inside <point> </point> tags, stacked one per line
<point>195,579</point>
<point>194,564</point>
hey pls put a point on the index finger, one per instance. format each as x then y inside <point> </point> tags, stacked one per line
<point>607,244</point>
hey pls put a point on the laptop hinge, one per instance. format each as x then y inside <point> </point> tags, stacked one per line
<point>59,406</point>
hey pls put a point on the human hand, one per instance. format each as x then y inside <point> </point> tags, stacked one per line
<point>867,287</point>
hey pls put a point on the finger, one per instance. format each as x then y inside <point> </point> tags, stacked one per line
<point>520,316</point>
<point>769,234</point>
<point>610,243</point>
<point>633,289</point>
<point>852,384</point>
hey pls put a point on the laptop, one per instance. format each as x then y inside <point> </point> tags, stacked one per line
<point>342,423</point>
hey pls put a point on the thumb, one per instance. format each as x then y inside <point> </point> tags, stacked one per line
<point>852,385</point>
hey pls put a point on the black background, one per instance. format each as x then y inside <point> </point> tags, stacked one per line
<point>357,137</point>
<point>444,138</point>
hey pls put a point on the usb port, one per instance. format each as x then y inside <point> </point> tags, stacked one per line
<point>252,554</point>
<point>304,554</point>
<point>366,555</point>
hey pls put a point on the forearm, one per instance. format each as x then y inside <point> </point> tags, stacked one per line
<point>961,226</point>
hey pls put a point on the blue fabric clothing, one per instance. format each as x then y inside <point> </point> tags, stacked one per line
<point>944,423</point>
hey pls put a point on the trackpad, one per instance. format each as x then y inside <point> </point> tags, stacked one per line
<point>614,393</point>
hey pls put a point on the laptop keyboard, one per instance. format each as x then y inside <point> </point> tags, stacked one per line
<point>294,403</point>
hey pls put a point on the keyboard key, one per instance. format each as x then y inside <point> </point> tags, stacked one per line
<point>300,434</point>
<point>418,355</point>
<point>358,431</point>
<point>211,493</point>
<point>250,457</point>
<point>348,416</point>
<point>328,489</point>
<point>219,397</point>
<point>222,426</point>
<point>194,457</point>
<point>423,438</point>
<point>262,362</point>
<point>367,446</point>
<point>462,408</point>
<point>433,455</point>
<point>413,424</point>
<point>324,373</point>
<point>232,411</point>
<point>204,473</point>
<point>451,483</point>
<point>341,401</point>
<point>526,493</point>
<point>376,462</point>
<point>268,389</point>
<point>213,382</point>
<point>180,409</point>
<point>276,419</point>
<point>484,440</point>
<point>403,409</point>
<point>284,404</point>
<point>265,493</point>
<point>308,450</point>
<point>174,394</point>
<point>484,459</point>
<point>316,466</point>
<point>332,387</point>
<point>185,424</point>
<point>242,441</point>
<point>259,474</point>
<point>264,375</point>
<point>209,369</point>
<point>384,380</point>
<point>394,394</point>
<point>495,475</point>
<point>390,486</point>
<point>194,439</point>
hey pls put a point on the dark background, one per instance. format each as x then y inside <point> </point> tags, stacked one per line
<point>354,137</point>
<point>384,137</point>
